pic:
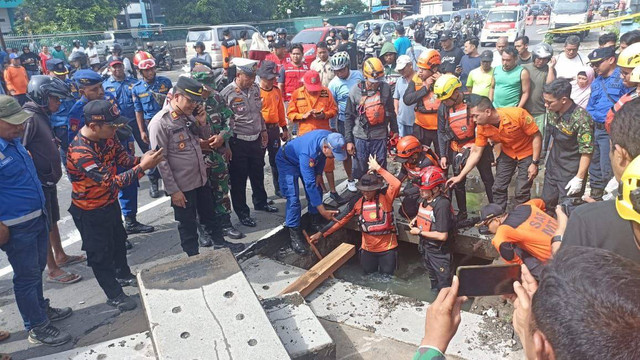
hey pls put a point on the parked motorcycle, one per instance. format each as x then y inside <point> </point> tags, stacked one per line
<point>431,40</point>
<point>163,58</point>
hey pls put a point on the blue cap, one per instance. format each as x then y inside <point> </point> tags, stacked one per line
<point>13,56</point>
<point>87,77</point>
<point>336,141</point>
<point>57,66</point>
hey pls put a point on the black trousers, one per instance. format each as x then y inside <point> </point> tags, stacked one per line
<point>384,262</point>
<point>247,162</point>
<point>427,137</point>
<point>103,238</point>
<point>272,148</point>
<point>153,174</point>
<point>436,258</point>
<point>486,174</point>
<point>505,168</point>
<point>199,207</point>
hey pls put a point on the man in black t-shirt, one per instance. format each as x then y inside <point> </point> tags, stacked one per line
<point>350,47</point>
<point>600,224</point>
<point>450,55</point>
<point>30,61</point>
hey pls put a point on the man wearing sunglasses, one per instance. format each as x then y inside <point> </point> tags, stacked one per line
<point>606,90</point>
<point>94,157</point>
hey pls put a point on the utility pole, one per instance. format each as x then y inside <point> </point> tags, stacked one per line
<point>143,12</point>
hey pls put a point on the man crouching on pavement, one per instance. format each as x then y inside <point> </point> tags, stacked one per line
<point>184,172</point>
<point>92,162</point>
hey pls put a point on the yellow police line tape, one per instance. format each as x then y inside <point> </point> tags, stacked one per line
<point>591,25</point>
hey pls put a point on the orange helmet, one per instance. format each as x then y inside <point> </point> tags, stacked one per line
<point>407,146</point>
<point>432,176</point>
<point>143,60</point>
<point>428,59</point>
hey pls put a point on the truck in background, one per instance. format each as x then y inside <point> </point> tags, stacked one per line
<point>567,13</point>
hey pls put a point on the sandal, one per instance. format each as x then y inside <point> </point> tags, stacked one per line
<point>4,334</point>
<point>65,278</point>
<point>73,259</point>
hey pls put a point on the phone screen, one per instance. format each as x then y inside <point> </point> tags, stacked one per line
<point>487,280</point>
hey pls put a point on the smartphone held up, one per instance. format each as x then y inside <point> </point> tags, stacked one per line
<point>487,280</point>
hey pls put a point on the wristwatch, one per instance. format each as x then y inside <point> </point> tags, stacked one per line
<point>556,238</point>
<point>536,162</point>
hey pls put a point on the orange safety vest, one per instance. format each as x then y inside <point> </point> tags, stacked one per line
<point>430,159</point>
<point>427,111</point>
<point>373,220</point>
<point>372,108</point>
<point>460,128</point>
<point>293,78</point>
<point>425,217</point>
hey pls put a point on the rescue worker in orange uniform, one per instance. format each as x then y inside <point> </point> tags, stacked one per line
<point>520,146</point>
<point>420,92</point>
<point>523,235</point>
<point>374,209</point>
<point>230,48</point>
<point>414,157</point>
<point>369,116</point>
<point>434,224</point>
<point>273,114</point>
<point>311,106</point>
<point>456,136</point>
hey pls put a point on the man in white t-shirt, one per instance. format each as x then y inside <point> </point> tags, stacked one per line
<point>570,62</point>
<point>501,44</point>
<point>92,54</point>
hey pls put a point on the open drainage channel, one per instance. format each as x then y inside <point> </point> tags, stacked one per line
<point>397,303</point>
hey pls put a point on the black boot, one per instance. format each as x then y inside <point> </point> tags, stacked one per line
<point>461,216</point>
<point>228,229</point>
<point>297,242</point>
<point>153,190</point>
<point>203,238</point>
<point>132,226</point>
<point>596,194</point>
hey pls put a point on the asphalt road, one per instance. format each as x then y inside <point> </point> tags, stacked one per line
<point>94,321</point>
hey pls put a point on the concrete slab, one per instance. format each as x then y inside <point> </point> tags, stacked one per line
<point>203,307</point>
<point>298,328</point>
<point>132,347</point>
<point>385,314</point>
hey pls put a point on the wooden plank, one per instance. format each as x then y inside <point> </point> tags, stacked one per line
<point>310,280</point>
<point>314,248</point>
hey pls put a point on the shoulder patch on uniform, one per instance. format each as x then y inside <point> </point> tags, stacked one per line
<point>312,162</point>
<point>528,119</point>
<point>174,115</point>
<point>324,93</point>
<point>586,137</point>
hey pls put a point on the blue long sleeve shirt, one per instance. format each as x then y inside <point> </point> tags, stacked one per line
<point>599,103</point>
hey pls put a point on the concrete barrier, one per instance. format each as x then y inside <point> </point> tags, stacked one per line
<point>203,307</point>
<point>542,20</point>
<point>529,20</point>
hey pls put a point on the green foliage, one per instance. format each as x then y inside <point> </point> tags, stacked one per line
<point>212,12</point>
<point>299,8</point>
<point>344,7</point>
<point>46,16</point>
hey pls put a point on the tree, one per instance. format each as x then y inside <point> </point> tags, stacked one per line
<point>46,16</point>
<point>212,12</point>
<point>345,7</point>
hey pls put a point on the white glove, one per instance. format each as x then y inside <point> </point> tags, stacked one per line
<point>574,186</point>
<point>611,190</point>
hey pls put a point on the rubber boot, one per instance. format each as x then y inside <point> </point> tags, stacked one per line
<point>153,190</point>
<point>297,241</point>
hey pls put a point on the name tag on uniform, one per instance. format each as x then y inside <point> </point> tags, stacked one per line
<point>111,89</point>
<point>5,160</point>
<point>143,95</point>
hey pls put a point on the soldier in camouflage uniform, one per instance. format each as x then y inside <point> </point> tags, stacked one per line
<point>571,128</point>
<point>218,115</point>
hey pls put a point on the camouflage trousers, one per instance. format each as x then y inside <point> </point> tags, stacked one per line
<point>218,174</point>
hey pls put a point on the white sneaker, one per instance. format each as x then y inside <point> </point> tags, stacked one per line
<point>351,186</point>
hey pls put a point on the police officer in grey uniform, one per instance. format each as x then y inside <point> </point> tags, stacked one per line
<point>248,143</point>
<point>182,138</point>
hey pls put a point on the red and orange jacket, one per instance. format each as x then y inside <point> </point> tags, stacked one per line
<point>92,169</point>
<point>371,243</point>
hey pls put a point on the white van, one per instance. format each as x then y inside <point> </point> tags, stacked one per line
<point>567,13</point>
<point>506,21</point>
<point>212,37</point>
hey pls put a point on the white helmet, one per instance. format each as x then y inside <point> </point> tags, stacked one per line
<point>340,61</point>
<point>543,51</point>
<point>270,33</point>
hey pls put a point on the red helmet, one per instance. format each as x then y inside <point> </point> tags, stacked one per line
<point>431,177</point>
<point>407,146</point>
<point>143,60</point>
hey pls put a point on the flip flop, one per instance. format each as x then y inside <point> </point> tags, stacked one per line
<point>73,259</point>
<point>4,335</point>
<point>59,279</point>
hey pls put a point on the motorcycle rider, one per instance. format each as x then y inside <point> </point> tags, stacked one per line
<point>351,29</point>
<point>116,54</point>
<point>271,37</point>
<point>282,34</point>
<point>419,32</point>
<point>366,32</point>
<point>375,40</point>
<point>456,24</point>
